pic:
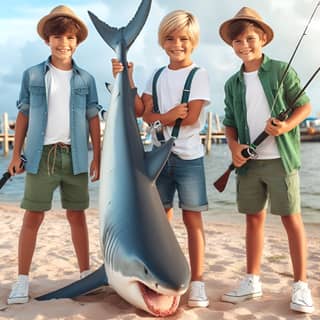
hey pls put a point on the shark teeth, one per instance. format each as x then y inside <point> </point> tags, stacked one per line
<point>159,304</point>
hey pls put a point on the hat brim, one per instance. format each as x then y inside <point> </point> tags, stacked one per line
<point>224,29</point>
<point>83,29</point>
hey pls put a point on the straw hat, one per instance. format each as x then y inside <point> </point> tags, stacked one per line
<point>63,11</point>
<point>245,14</point>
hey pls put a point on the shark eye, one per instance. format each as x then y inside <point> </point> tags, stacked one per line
<point>157,285</point>
<point>145,270</point>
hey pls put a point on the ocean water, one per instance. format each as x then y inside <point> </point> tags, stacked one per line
<point>222,206</point>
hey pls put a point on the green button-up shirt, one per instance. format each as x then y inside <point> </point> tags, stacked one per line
<point>270,73</point>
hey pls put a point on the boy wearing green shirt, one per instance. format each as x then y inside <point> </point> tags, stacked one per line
<point>253,99</point>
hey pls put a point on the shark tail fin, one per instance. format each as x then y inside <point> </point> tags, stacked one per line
<point>112,36</point>
<point>89,283</point>
<point>156,159</point>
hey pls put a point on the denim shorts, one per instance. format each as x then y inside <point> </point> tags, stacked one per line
<point>267,181</point>
<point>55,170</point>
<point>188,178</point>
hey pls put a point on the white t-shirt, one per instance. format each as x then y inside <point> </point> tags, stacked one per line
<point>58,93</point>
<point>170,86</point>
<point>258,112</point>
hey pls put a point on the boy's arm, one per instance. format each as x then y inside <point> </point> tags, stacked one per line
<point>235,147</point>
<point>19,137</point>
<point>276,127</point>
<point>94,129</point>
<point>118,67</point>
<point>168,118</point>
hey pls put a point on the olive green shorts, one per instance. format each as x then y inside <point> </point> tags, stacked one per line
<point>55,170</point>
<point>266,181</point>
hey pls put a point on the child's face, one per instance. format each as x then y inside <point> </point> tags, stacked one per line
<point>178,47</point>
<point>248,46</point>
<point>62,47</point>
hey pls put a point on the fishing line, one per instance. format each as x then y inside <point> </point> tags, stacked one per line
<point>292,56</point>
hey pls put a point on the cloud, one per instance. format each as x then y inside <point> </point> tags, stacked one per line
<point>21,47</point>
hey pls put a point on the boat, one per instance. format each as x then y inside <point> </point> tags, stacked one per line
<point>310,130</point>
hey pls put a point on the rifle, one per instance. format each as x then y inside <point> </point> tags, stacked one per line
<point>6,176</point>
<point>250,152</point>
<point>221,183</point>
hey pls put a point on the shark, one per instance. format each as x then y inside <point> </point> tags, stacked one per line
<point>143,261</point>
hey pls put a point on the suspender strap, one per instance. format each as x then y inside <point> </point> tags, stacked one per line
<point>184,99</point>
<point>154,90</point>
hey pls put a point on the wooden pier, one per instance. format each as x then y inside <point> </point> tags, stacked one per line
<point>208,137</point>
<point>6,138</point>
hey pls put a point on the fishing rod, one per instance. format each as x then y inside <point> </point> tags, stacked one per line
<point>293,55</point>
<point>221,183</point>
<point>250,152</point>
<point>7,175</point>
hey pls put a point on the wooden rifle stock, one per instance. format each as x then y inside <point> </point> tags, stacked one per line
<point>221,183</point>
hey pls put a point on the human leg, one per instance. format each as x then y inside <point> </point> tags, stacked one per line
<point>301,295</point>
<point>250,286</point>
<point>196,248</point>
<point>254,241</point>
<point>79,235</point>
<point>27,242</point>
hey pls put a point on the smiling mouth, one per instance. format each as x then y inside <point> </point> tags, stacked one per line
<point>158,304</point>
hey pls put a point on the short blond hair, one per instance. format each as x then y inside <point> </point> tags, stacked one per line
<point>178,20</point>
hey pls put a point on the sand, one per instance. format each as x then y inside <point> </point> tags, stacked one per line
<point>54,265</point>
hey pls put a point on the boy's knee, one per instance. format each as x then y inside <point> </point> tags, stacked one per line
<point>32,219</point>
<point>76,217</point>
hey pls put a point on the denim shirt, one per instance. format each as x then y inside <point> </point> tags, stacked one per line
<point>33,102</point>
<point>270,74</point>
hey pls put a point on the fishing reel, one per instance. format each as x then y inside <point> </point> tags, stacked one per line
<point>249,153</point>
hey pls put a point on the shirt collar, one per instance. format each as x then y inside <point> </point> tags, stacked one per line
<point>46,66</point>
<point>265,66</point>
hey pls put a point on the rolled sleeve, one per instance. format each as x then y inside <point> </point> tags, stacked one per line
<point>23,104</point>
<point>292,89</point>
<point>93,107</point>
<point>228,120</point>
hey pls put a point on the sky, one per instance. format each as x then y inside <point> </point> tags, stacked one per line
<point>21,47</point>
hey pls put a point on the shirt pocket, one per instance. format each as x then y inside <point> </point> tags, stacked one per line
<point>37,96</point>
<point>80,95</point>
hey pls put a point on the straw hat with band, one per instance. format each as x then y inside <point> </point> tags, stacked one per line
<point>245,14</point>
<point>63,11</point>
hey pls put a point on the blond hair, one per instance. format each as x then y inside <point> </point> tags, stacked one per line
<point>178,20</point>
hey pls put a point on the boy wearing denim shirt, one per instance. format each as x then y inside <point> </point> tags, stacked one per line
<point>253,99</point>
<point>58,108</point>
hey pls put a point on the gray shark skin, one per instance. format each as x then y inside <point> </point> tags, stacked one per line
<point>143,261</point>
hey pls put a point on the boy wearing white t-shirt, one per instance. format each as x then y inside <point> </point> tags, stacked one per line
<point>178,35</point>
<point>254,97</point>
<point>184,172</point>
<point>58,108</point>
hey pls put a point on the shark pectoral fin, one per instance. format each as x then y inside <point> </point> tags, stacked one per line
<point>80,287</point>
<point>156,159</point>
<point>108,86</point>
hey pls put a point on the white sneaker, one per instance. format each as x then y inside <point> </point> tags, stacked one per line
<point>20,291</point>
<point>301,300</point>
<point>249,288</point>
<point>197,295</point>
<point>84,273</point>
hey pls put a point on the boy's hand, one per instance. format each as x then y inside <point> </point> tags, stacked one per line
<point>94,170</point>
<point>117,67</point>
<point>179,111</point>
<point>276,127</point>
<point>237,158</point>
<point>16,165</point>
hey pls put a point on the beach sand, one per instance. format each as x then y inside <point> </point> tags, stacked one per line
<point>54,265</point>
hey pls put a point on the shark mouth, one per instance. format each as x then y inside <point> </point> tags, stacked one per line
<point>159,304</point>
